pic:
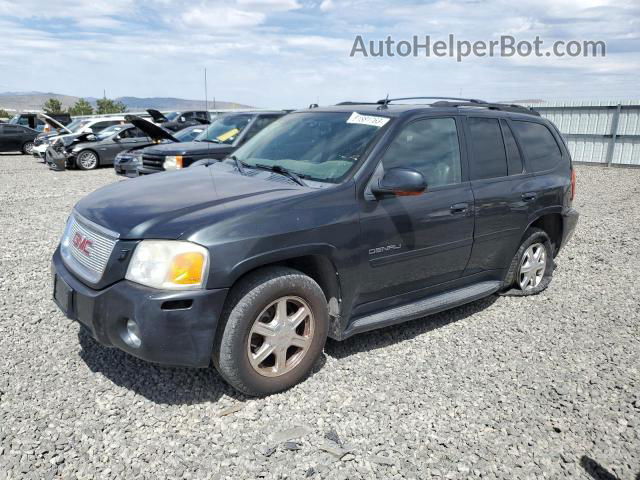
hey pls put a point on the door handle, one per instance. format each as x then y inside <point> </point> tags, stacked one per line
<point>527,197</point>
<point>459,208</point>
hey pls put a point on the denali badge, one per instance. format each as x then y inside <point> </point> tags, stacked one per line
<point>373,251</point>
<point>82,243</point>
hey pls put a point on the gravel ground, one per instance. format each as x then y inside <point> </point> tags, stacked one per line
<point>539,387</point>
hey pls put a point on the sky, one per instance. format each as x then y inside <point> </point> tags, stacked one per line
<point>291,53</point>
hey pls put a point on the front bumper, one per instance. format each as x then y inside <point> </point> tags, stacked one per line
<point>176,327</point>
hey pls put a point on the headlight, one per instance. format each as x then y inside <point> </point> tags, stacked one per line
<point>173,162</point>
<point>169,264</point>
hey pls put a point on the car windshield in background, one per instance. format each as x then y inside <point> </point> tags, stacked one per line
<point>188,134</point>
<point>77,124</point>
<point>14,120</point>
<point>225,129</point>
<point>107,132</point>
<point>321,146</point>
<point>171,116</point>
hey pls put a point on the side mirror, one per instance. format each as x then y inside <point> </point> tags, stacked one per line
<point>400,182</point>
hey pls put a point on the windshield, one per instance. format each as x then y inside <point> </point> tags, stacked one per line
<point>77,124</point>
<point>15,119</point>
<point>107,132</point>
<point>225,129</point>
<point>188,134</point>
<point>322,146</point>
<point>171,116</point>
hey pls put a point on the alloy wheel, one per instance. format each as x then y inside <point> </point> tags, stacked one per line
<point>532,266</point>
<point>280,336</point>
<point>88,160</point>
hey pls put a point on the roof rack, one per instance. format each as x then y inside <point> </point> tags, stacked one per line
<point>504,107</point>
<point>355,103</point>
<point>385,101</point>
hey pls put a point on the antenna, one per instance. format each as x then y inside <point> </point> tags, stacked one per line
<point>384,103</point>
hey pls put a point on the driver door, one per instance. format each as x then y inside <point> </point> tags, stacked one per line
<point>415,242</point>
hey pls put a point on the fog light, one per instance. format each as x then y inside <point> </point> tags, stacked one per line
<point>132,335</point>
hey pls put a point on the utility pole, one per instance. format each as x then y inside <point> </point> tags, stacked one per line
<point>206,105</point>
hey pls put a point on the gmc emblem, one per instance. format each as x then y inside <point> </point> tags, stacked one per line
<point>82,243</point>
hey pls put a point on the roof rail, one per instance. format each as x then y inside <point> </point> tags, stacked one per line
<point>385,101</point>
<point>504,107</point>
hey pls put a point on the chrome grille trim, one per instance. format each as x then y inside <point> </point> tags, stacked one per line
<point>89,267</point>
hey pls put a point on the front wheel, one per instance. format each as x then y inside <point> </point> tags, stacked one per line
<point>532,266</point>
<point>87,160</point>
<point>27,148</point>
<point>272,331</point>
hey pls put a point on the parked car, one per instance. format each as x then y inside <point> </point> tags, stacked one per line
<point>89,151</point>
<point>16,138</point>
<point>221,138</point>
<point>35,121</point>
<point>176,121</point>
<point>128,162</point>
<point>93,125</point>
<point>332,221</point>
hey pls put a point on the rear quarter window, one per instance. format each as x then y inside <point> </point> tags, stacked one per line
<point>539,146</point>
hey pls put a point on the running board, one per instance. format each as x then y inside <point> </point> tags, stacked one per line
<point>423,307</point>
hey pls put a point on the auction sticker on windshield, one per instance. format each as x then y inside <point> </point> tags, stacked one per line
<point>370,120</point>
<point>227,135</point>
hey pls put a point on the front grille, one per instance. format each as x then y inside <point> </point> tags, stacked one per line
<point>153,162</point>
<point>86,248</point>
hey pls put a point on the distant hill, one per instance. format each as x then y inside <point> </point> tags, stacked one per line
<point>23,101</point>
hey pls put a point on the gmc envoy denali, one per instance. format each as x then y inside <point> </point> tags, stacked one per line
<point>329,222</point>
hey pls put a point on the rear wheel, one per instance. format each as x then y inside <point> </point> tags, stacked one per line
<point>272,331</point>
<point>27,148</point>
<point>87,160</point>
<point>532,266</point>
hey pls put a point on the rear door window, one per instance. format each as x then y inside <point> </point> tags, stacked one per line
<point>538,145</point>
<point>488,159</point>
<point>514,159</point>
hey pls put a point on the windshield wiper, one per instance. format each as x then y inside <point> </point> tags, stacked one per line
<point>210,141</point>
<point>283,171</point>
<point>239,163</point>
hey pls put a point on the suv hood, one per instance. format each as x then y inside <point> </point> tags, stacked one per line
<point>170,205</point>
<point>188,148</point>
<point>151,129</point>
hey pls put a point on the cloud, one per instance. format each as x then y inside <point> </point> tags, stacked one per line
<point>285,53</point>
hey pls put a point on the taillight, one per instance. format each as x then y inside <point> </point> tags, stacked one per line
<point>573,184</point>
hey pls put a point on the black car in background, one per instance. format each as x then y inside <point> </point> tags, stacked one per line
<point>16,138</point>
<point>129,161</point>
<point>221,138</point>
<point>176,121</point>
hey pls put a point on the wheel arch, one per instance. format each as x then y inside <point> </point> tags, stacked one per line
<point>316,261</point>
<point>551,223</point>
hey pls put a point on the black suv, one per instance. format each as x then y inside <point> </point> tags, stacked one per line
<point>331,221</point>
<point>222,137</point>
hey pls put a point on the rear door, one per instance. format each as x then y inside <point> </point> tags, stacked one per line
<point>415,242</point>
<point>11,138</point>
<point>500,184</point>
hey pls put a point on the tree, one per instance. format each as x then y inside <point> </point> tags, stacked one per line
<point>52,106</point>
<point>81,107</point>
<point>106,105</point>
<point>4,113</point>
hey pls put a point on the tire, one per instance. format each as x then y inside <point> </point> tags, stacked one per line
<point>252,302</point>
<point>524,264</point>
<point>87,160</point>
<point>27,148</point>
